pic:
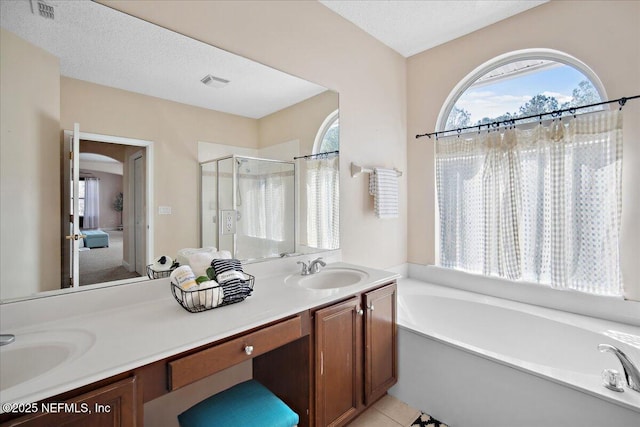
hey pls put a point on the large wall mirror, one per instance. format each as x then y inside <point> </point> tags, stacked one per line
<point>152,106</point>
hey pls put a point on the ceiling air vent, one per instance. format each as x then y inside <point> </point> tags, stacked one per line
<point>213,81</point>
<point>40,7</point>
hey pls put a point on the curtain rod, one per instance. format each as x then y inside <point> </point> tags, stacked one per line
<point>557,113</point>
<point>310,156</point>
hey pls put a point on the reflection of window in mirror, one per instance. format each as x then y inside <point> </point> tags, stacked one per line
<point>328,138</point>
<point>323,187</point>
<point>81,199</point>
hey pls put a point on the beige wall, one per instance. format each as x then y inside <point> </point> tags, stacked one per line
<point>603,34</point>
<point>306,39</point>
<point>175,130</point>
<point>29,158</point>
<point>299,122</point>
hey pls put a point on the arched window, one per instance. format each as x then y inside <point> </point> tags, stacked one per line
<point>518,84</point>
<point>328,136</point>
<point>536,203</point>
<point>322,183</point>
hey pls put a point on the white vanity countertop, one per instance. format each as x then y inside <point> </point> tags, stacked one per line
<point>124,327</point>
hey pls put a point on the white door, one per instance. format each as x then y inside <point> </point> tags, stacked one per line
<point>73,237</point>
<point>138,214</point>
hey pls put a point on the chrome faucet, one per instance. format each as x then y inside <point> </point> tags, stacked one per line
<point>7,339</point>
<point>305,268</point>
<point>312,267</point>
<point>631,373</point>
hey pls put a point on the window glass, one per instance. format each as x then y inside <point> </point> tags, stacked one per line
<point>80,197</point>
<point>537,203</point>
<point>331,137</point>
<point>522,88</point>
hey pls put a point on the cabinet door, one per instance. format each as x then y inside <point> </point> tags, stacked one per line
<point>338,364</point>
<point>380,354</point>
<point>114,405</point>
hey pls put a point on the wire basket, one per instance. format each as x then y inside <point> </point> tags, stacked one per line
<point>215,296</point>
<point>153,274</point>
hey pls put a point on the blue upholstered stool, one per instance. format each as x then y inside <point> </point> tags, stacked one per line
<point>247,404</point>
<point>95,239</point>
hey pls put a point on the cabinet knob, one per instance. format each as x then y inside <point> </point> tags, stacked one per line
<point>248,349</point>
<point>370,307</point>
<point>361,312</point>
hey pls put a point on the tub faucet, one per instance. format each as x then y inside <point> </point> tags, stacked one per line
<point>631,373</point>
<point>7,339</point>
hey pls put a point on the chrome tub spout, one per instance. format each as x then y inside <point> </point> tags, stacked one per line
<point>631,373</point>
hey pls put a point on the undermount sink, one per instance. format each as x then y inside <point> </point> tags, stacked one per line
<point>37,353</point>
<point>329,278</point>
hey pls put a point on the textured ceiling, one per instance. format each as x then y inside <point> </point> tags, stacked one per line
<point>413,26</point>
<point>98,44</point>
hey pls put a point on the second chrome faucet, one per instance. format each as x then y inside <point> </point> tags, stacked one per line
<point>312,267</point>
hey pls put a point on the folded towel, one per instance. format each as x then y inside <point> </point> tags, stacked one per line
<point>163,263</point>
<point>383,186</point>
<point>223,255</point>
<point>199,262</point>
<point>228,273</point>
<point>183,254</point>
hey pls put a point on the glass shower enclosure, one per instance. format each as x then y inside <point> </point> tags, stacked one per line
<point>248,206</point>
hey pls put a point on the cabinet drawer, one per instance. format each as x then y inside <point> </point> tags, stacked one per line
<point>199,365</point>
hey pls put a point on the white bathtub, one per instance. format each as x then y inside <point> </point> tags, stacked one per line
<point>475,360</point>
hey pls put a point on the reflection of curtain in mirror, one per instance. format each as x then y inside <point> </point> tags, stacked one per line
<point>91,203</point>
<point>263,206</point>
<point>323,203</point>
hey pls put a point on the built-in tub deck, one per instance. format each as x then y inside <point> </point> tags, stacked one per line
<point>464,352</point>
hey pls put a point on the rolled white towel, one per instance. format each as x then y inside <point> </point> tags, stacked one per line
<point>211,294</point>
<point>199,262</point>
<point>184,278</point>
<point>223,255</point>
<point>163,263</point>
<point>183,254</point>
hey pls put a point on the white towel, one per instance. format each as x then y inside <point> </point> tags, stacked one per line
<point>183,254</point>
<point>184,278</point>
<point>158,265</point>
<point>200,262</point>
<point>211,294</point>
<point>223,255</point>
<point>383,186</point>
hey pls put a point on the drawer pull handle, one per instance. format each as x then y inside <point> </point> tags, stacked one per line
<point>248,349</point>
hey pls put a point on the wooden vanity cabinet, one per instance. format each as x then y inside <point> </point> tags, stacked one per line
<point>355,354</point>
<point>338,362</point>
<point>113,405</point>
<point>327,364</point>
<point>380,342</point>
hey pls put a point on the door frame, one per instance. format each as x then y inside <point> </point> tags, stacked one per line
<point>149,156</point>
<point>132,261</point>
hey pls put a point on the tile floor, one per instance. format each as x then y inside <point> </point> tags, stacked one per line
<point>389,412</point>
